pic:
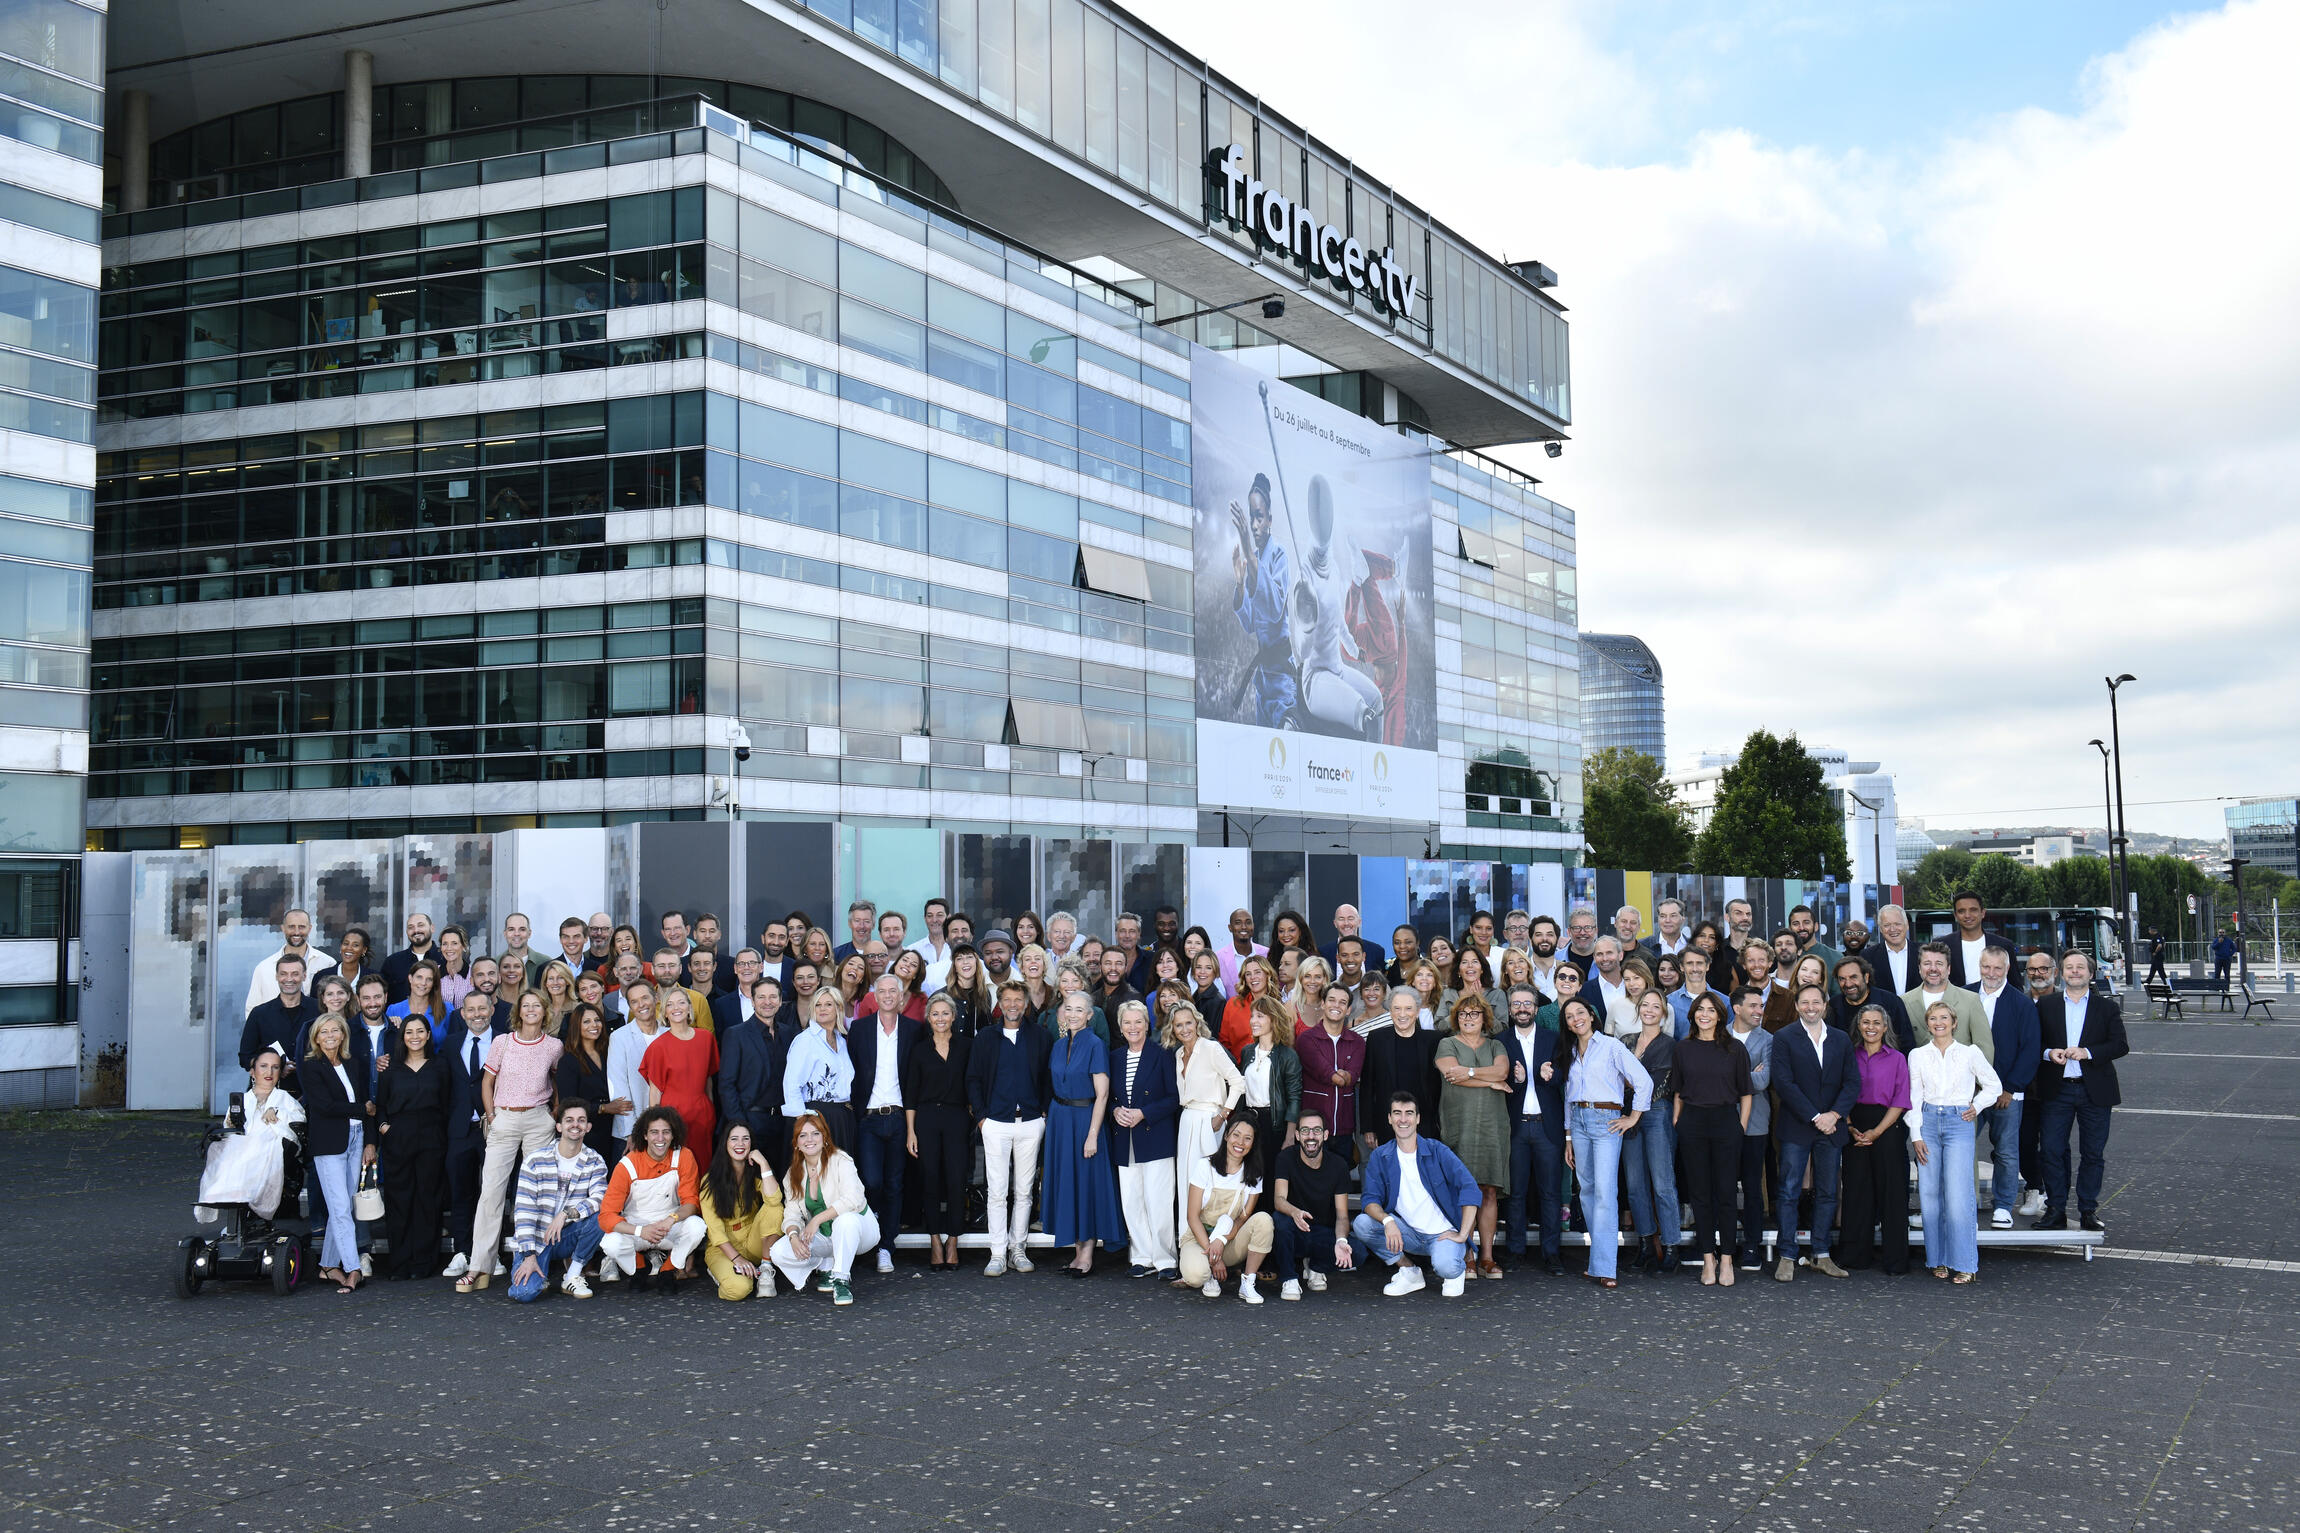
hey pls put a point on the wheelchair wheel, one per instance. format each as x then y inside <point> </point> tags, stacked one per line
<point>184,1274</point>
<point>287,1265</point>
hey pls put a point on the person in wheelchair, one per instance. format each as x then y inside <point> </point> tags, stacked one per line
<point>254,1157</point>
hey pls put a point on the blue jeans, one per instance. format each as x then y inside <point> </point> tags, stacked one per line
<point>1945,1192</point>
<point>2069,1105</point>
<point>1824,1158</point>
<point>1650,1159</point>
<point>885,1146</point>
<point>1597,1165</point>
<point>2003,1124</point>
<point>338,1178</point>
<point>577,1243</point>
<point>1535,1161</point>
<point>1447,1258</point>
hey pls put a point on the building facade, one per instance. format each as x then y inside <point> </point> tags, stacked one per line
<point>1621,701</point>
<point>1876,847</point>
<point>2267,830</point>
<point>479,449</point>
<point>2041,850</point>
<point>51,195</point>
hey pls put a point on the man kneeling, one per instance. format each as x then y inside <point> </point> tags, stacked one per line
<point>556,1214</point>
<point>1409,1186</point>
<point>651,1203</point>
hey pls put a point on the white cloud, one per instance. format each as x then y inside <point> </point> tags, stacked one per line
<point>1906,453</point>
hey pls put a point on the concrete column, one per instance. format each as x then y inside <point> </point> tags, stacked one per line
<point>135,137</point>
<point>358,112</point>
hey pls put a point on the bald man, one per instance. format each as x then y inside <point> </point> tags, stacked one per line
<point>1348,923</point>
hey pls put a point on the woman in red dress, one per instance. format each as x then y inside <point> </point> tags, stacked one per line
<point>681,1064</point>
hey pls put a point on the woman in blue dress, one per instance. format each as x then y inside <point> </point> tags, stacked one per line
<point>1080,1205</point>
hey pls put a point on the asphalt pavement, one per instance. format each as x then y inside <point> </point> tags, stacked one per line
<point>2156,1387</point>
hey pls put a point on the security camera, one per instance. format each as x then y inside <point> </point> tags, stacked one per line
<point>740,739</point>
<point>1554,449</point>
<point>1273,308</point>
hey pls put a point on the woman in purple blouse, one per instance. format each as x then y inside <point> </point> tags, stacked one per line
<point>1876,1171</point>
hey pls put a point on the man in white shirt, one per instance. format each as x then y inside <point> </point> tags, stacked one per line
<point>1892,960</point>
<point>1238,949</point>
<point>1972,939</point>
<point>2013,1023</point>
<point>1061,937</point>
<point>2082,1037</point>
<point>879,1048</point>
<point>1541,950</point>
<point>295,942</point>
<point>1669,938</point>
<point>1612,998</point>
<point>1412,1187</point>
<point>934,947</point>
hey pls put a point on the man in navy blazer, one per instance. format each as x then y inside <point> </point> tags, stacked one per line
<point>468,1038</point>
<point>2013,1028</point>
<point>751,1058</point>
<point>2082,1037</point>
<point>1144,1118</point>
<point>1536,1140</point>
<point>881,1045</point>
<point>1817,1081</point>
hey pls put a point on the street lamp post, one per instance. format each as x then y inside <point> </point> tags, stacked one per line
<point>2236,867</point>
<point>2124,865</point>
<point>2108,809</point>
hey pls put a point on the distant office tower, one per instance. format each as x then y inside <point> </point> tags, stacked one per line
<point>1620,694</point>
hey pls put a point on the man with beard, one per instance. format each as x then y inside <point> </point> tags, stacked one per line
<point>1805,927</point>
<point>1581,937</point>
<point>1853,994</point>
<point>1541,939</point>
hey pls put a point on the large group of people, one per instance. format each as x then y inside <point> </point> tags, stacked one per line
<point>1209,1106</point>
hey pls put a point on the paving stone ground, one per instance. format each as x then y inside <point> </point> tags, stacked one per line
<point>2052,1394</point>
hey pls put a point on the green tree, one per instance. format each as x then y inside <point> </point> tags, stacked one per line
<point>2076,881</point>
<point>1629,814</point>
<point>1941,874</point>
<point>2002,883</point>
<point>2164,884</point>
<point>1774,817</point>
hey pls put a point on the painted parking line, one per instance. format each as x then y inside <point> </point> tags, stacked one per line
<point>2195,1259</point>
<point>2174,1054</point>
<point>2199,1112</point>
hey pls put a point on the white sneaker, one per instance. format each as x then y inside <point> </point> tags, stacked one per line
<point>1018,1259</point>
<point>1290,1291</point>
<point>457,1267</point>
<point>1314,1280</point>
<point>1247,1291</point>
<point>1453,1286</point>
<point>1210,1289</point>
<point>886,1261</point>
<point>609,1272</point>
<point>996,1267</point>
<point>573,1285</point>
<point>2033,1204</point>
<point>1406,1280</point>
<point>2001,1219</point>
<point>367,1265</point>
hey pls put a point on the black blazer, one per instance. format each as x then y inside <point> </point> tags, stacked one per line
<point>1881,978</point>
<point>726,1011</point>
<point>751,1059</point>
<point>862,1046</point>
<point>1155,1095</point>
<point>1808,1087</point>
<point>1550,1093</point>
<point>462,1086</point>
<point>328,1111</point>
<point>1898,1029</point>
<point>2103,1035</point>
<point>1989,939</point>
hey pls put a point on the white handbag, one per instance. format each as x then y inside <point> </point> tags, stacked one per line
<point>367,1203</point>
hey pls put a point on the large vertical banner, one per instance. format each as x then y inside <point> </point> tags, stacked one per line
<point>1316,634</point>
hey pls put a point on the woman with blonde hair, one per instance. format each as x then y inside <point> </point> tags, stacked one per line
<point>1207,1083</point>
<point>1311,978</point>
<point>1257,977</point>
<point>335,1109</point>
<point>557,986</point>
<point>1031,965</point>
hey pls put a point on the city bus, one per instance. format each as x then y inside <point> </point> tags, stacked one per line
<point>2089,929</point>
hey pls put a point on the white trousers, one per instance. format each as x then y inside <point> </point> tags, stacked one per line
<point>1195,1142</point>
<point>622,1247</point>
<point>1146,1193</point>
<point>512,1136</point>
<point>1010,1158</point>
<point>849,1235</point>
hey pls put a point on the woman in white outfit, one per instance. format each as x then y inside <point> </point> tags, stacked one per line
<point>827,1221</point>
<point>1209,1085</point>
<point>250,1167</point>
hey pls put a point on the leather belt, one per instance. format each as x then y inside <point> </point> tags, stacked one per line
<point>880,1112</point>
<point>1081,1102</point>
<point>824,1106</point>
<point>1608,1106</point>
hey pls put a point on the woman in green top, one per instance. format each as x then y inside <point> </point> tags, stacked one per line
<point>1476,1111</point>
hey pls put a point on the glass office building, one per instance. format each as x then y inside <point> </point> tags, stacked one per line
<point>476,448</point>
<point>51,191</point>
<point>1620,695</point>
<point>2267,830</point>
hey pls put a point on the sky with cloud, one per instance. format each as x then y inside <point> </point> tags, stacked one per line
<point>1931,361</point>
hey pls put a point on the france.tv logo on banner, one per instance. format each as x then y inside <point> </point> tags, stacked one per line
<point>1316,638</point>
